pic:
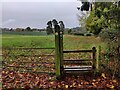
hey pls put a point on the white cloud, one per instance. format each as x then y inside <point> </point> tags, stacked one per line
<point>38,0</point>
<point>57,0</point>
<point>8,21</point>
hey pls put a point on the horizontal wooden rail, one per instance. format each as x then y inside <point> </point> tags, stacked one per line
<point>83,69</point>
<point>19,66</point>
<point>28,62</point>
<point>26,67</point>
<point>25,48</point>
<point>85,66</point>
<point>78,63</point>
<point>39,72</point>
<point>77,51</point>
<point>78,68</point>
<point>79,60</point>
<point>27,55</point>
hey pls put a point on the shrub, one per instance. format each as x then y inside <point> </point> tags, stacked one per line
<point>111,38</point>
<point>80,34</point>
<point>88,34</point>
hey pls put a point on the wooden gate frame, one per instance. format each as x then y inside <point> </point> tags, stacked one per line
<point>59,52</point>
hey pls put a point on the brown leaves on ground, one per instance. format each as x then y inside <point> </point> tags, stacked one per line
<point>27,80</point>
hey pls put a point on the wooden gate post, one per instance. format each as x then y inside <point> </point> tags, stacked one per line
<point>98,58</point>
<point>57,51</point>
<point>94,58</point>
<point>61,52</point>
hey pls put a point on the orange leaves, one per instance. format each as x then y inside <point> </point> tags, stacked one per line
<point>31,80</point>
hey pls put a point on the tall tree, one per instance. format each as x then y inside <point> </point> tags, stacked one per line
<point>49,28</point>
<point>62,26</point>
<point>28,29</point>
<point>104,14</point>
<point>82,19</point>
<point>54,21</point>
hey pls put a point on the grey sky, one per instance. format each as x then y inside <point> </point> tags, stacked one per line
<point>36,14</point>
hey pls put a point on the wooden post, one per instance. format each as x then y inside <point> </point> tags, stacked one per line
<point>61,52</point>
<point>94,58</point>
<point>57,51</point>
<point>99,58</point>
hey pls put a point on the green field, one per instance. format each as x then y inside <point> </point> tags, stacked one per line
<point>71,42</point>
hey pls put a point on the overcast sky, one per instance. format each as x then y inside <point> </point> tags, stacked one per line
<point>36,14</point>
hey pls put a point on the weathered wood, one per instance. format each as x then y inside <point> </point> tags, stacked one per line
<point>83,69</point>
<point>98,59</point>
<point>21,66</point>
<point>26,71</point>
<point>27,55</point>
<point>94,58</point>
<point>79,60</point>
<point>90,64</point>
<point>61,52</point>
<point>28,62</point>
<point>25,48</point>
<point>57,50</point>
<point>75,67</point>
<point>77,51</point>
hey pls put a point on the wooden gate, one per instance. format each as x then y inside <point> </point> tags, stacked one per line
<point>69,66</point>
<point>32,60</point>
<point>61,65</point>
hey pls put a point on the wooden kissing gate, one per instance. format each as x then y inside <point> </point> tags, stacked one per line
<point>62,66</point>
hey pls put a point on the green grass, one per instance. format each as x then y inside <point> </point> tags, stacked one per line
<point>9,41</point>
<point>71,42</point>
<point>81,42</point>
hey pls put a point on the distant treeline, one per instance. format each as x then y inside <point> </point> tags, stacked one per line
<point>26,33</point>
<point>29,31</point>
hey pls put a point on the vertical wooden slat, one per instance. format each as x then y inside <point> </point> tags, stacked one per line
<point>94,58</point>
<point>61,51</point>
<point>99,58</point>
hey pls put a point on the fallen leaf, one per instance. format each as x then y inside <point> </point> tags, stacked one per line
<point>103,75</point>
<point>71,86</point>
<point>66,86</point>
<point>51,82</point>
<point>37,83</point>
<point>94,80</point>
<point>114,81</point>
<point>112,86</point>
<point>59,86</point>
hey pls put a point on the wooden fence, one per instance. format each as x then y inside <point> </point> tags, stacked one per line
<point>59,66</point>
<point>29,60</point>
